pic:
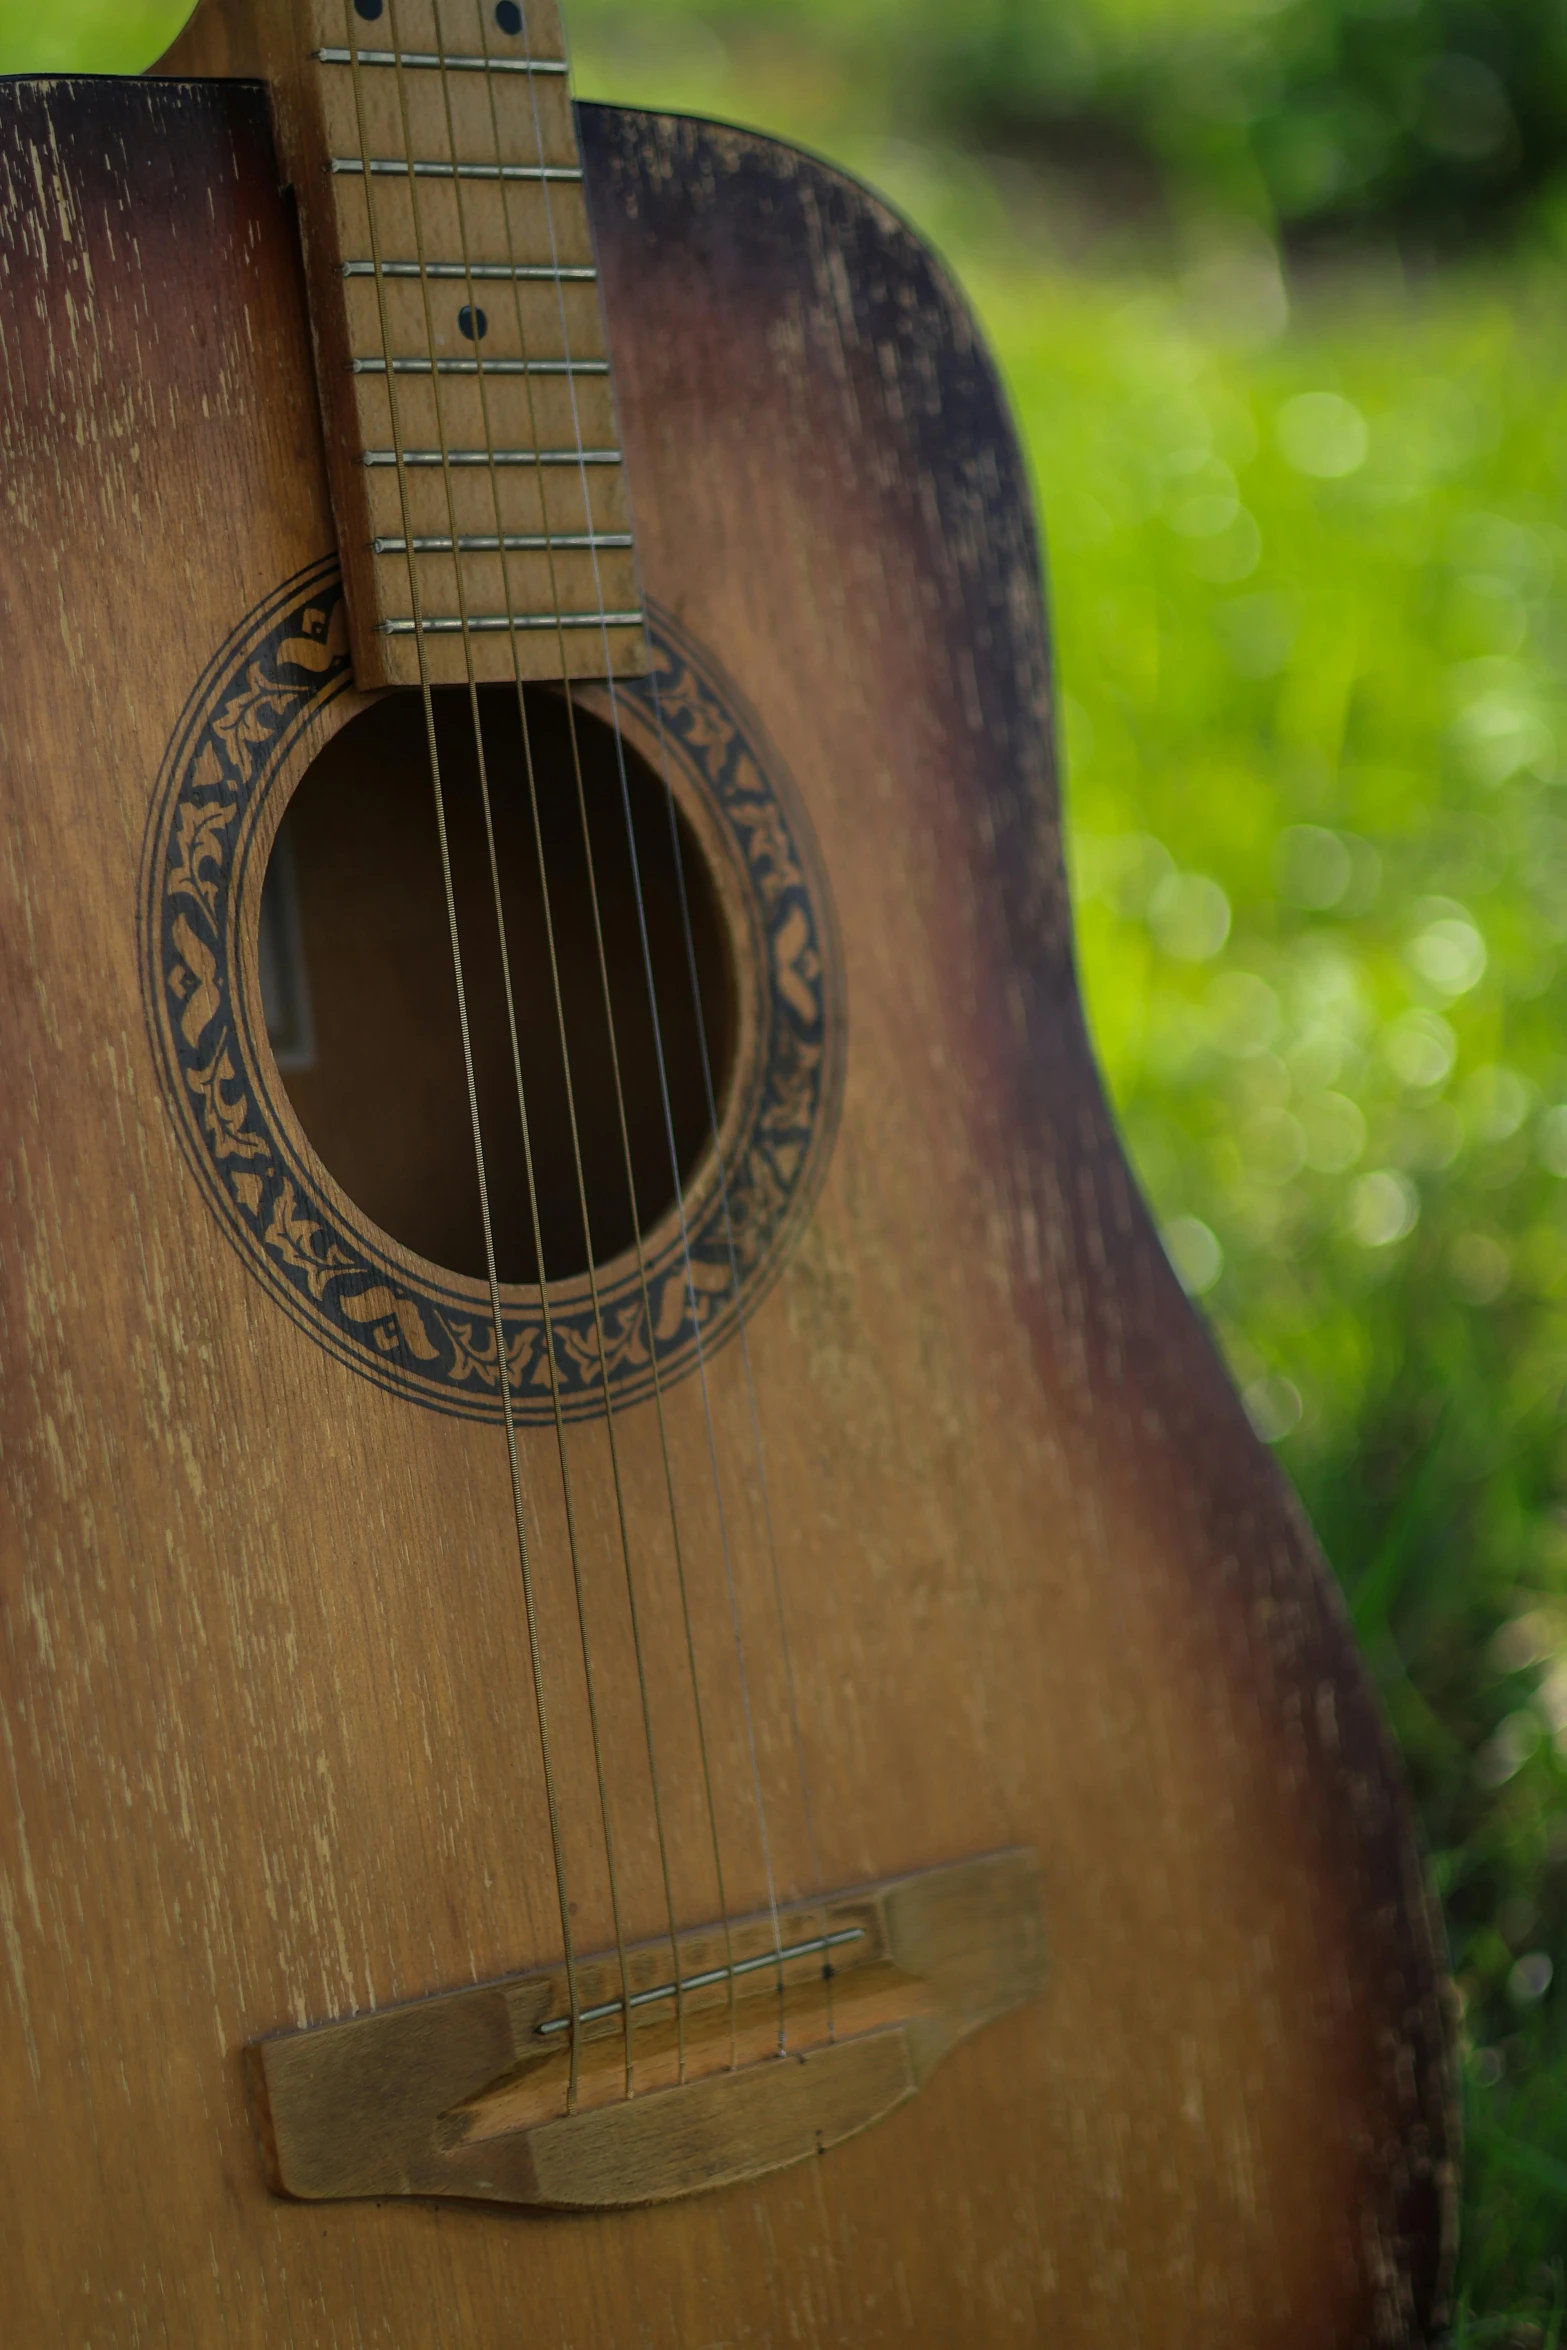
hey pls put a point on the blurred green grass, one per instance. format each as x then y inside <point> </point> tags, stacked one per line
<point>1308,558</point>
<point>85,36</point>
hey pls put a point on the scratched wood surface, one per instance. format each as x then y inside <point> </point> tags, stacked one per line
<point>268,1749</point>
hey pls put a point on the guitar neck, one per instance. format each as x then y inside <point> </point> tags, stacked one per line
<point>461,360</point>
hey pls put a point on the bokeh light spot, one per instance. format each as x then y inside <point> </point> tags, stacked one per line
<point>1189,917</point>
<point>1481,1267</point>
<point>1383,1207</point>
<point>1194,1252</point>
<point>1496,1101</point>
<point>1335,1131</point>
<point>1323,435</point>
<point>1530,1978</point>
<point>1420,1049</point>
<point>1508,1748</point>
<point>1450,955</point>
<point>1550,1140</point>
<point>1245,1014</point>
<point>1274,1407</point>
<point>1314,867</point>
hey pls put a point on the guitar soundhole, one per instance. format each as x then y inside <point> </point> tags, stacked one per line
<point>362,1005</point>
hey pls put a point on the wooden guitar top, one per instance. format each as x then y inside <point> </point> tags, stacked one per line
<point>956,1472</point>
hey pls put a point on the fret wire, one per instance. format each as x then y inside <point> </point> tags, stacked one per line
<point>472,366</point>
<point>521,542</point>
<point>394,167</point>
<point>513,272</point>
<point>448,457</point>
<point>504,623</point>
<point>429,60</point>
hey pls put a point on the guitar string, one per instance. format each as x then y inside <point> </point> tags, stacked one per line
<point>502,1363</point>
<point>704,1748</point>
<point>743,1342</point>
<point>530,1597</point>
<point>662,1073</point>
<point>525,1561</point>
<point>677,1542</point>
<point>572,1119</point>
<point>724,1194</point>
<point>730,1580</point>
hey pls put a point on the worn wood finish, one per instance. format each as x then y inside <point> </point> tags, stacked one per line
<point>268,1747</point>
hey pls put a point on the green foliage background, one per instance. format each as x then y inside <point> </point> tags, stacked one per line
<point>1274,285</point>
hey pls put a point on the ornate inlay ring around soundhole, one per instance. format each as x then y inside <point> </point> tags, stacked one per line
<point>268,701</point>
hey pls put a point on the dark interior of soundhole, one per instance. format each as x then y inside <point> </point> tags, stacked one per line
<point>362,1004</point>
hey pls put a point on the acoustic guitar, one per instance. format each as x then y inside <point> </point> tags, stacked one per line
<point>654,1693</point>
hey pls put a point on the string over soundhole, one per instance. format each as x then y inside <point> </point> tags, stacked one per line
<point>383,1099</point>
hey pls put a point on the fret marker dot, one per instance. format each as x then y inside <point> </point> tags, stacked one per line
<point>369,9</point>
<point>508,16</point>
<point>472,323</point>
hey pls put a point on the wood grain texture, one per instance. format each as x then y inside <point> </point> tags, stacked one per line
<point>268,1746</point>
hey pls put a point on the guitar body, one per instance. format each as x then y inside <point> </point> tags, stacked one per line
<point>270,1754</point>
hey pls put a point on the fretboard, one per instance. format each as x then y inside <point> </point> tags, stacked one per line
<point>470,421</point>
